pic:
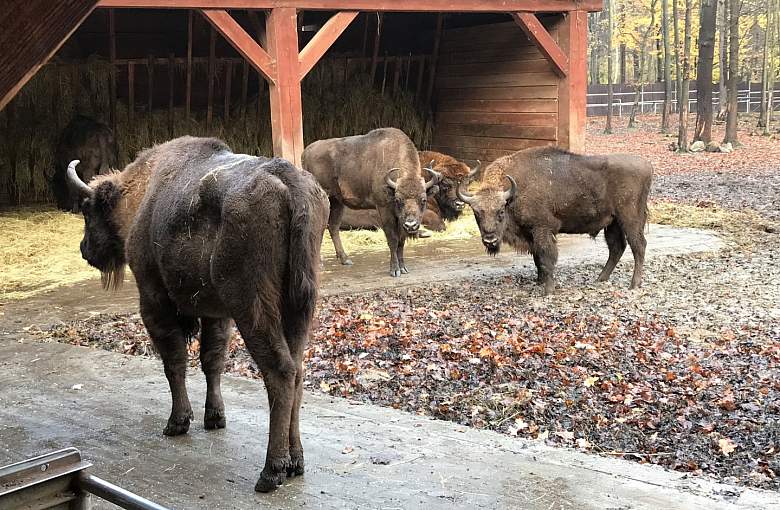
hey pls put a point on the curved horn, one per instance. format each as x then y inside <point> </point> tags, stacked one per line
<point>474,171</point>
<point>510,193</point>
<point>76,180</point>
<point>466,199</point>
<point>389,180</point>
<point>435,177</point>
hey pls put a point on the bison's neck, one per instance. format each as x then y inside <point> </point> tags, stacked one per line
<point>133,183</point>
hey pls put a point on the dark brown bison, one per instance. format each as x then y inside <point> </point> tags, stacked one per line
<point>360,172</point>
<point>212,236</point>
<point>90,142</point>
<point>552,191</point>
<point>442,206</point>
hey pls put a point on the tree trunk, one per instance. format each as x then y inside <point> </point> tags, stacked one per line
<point>773,30</point>
<point>659,65</point>
<point>677,65</point>
<point>595,47</point>
<point>682,133</point>
<point>608,127</point>
<point>640,64</point>
<point>667,110</point>
<point>732,114</point>
<point>765,67</point>
<point>723,60</point>
<point>637,86</point>
<point>704,71</point>
<point>622,63</point>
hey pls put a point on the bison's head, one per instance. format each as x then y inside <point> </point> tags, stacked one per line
<point>102,247</point>
<point>410,195</point>
<point>490,205</point>
<point>453,175</point>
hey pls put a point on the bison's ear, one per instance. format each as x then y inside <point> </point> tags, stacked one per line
<point>107,195</point>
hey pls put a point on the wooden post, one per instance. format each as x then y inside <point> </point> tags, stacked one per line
<point>244,89</point>
<point>228,89</point>
<point>150,83</point>
<point>130,92</point>
<point>375,55</point>
<point>188,86</point>
<point>572,88</point>
<point>420,74</point>
<point>171,75</point>
<point>285,91</point>
<point>112,73</point>
<point>384,74</point>
<point>212,70</point>
<point>434,59</point>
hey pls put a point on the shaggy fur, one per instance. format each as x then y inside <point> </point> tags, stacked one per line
<point>90,142</point>
<point>211,236</point>
<point>353,171</point>
<point>442,206</point>
<point>560,192</point>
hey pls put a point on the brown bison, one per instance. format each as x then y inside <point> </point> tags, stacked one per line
<point>552,191</point>
<point>90,142</point>
<point>212,236</point>
<point>358,172</point>
<point>443,206</point>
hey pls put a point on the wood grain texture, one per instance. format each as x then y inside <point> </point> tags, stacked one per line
<point>499,106</point>
<point>572,91</point>
<point>31,31</point>
<point>499,131</point>
<point>323,39</point>
<point>539,35</point>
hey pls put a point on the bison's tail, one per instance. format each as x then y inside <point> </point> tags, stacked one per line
<point>308,217</point>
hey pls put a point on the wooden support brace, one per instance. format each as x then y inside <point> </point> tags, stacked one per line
<point>543,40</point>
<point>323,40</point>
<point>242,42</point>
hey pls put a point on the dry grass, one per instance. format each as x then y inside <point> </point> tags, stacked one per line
<point>736,223</point>
<point>39,250</point>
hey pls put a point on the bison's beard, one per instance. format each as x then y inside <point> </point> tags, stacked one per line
<point>493,249</point>
<point>112,276</point>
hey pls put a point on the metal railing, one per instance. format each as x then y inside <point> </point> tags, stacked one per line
<point>60,480</point>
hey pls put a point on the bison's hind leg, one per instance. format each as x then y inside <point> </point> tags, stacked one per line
<point>616,242</point>
<point>334,227</point>
<point>214,337</point>
<point>162,323</point>
<point>635,235</point>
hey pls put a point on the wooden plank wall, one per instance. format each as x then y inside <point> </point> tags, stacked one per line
<point>495,93</point>
<point>30,32</point>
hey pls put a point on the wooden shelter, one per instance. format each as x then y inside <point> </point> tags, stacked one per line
<point>499,89</point>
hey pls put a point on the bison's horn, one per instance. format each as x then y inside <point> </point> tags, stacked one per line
<point>474,171</point>
<point>76,180</point>
<point>510,193</point>
<point>466,199</point>
<point>389,180</point>
<point>435,177</point>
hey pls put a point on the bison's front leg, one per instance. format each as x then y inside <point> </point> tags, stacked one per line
<point>391,229</point>
<point>213,344</point>
<point>400,253</point>
<point>169,340</point>
<point>545,252</point>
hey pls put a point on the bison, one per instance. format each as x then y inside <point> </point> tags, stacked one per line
<point>358,172</point>
<point>552,191</point>
<point>443,206</point>
<point>90,142</point>
<point>212,236</point>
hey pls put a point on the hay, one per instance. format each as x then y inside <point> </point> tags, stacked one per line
<point>39,250</point>
<point>332,105</point>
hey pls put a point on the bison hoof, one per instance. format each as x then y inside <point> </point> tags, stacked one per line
<point>346,262</point>
<point>273,475</point>
<point>178,425</point>
<point>214,419</point>
<point>296,463</point>
<point>395,273</point>
<point>404,270</point>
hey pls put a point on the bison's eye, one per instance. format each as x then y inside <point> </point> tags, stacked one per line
<point>500,215</point>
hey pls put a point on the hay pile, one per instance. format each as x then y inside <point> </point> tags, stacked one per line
<point>335,103</point>
<point>39,250</point>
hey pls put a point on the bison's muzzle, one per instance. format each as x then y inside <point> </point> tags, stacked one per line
<point>412,226</point>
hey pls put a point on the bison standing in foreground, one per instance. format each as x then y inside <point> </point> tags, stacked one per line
<point>93,144</point>
<point>358,172</point>
<point>553,191</point>
<point>211,236</point>
<point>442,206</point>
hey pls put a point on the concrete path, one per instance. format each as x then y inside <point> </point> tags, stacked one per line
<point>113,408</point>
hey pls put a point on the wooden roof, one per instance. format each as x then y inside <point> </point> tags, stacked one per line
<point>371,5</point>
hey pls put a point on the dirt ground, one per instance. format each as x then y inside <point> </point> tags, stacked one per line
<point>684,373</point>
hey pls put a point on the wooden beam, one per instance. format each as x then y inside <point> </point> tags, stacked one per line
<point>32,31</point>
<point>369,5</point>
<point>573,90</point>
<point>323,40</point>
<point>285,90</point>
<point>242,42</point>
<point>543,40</point>
<point>375,51</point>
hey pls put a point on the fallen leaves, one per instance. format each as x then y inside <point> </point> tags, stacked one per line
<point>726,446</point>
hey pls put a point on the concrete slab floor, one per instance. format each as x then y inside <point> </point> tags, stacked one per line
<point>113,408</point>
